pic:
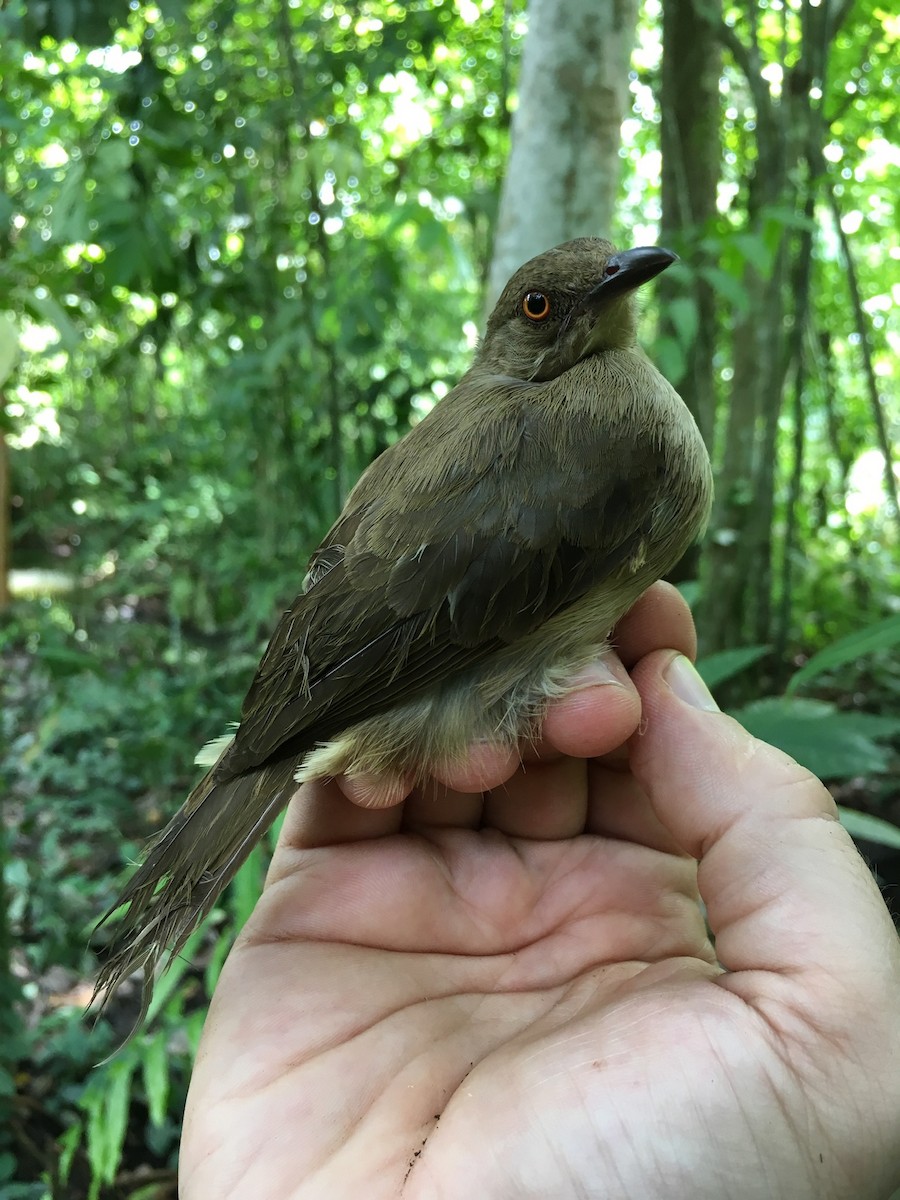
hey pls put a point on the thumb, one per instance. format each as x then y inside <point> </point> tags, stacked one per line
<point>785,890</point>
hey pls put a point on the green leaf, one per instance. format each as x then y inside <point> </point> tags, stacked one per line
<point>155,1070</point>
<point>716,668</point>
<point>69,218</point>
<point>690,591</point>
<point>880,636</point>
<point>174,974</point>
<point>247,888</point>
<point>669,357</point>
<point>68,1141</point>
<point>833,744</point>
<point>216,961</point>
<point>682,312</point>
<point>871,829</point>
<point>727,287</point>
<point>9,347</point>
<point>48,310</point>
<point>754,249</point>
<point>63,659</point>
<point>106,1101</point>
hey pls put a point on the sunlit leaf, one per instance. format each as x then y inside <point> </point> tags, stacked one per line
<point>155,1071</point>
<point>9,347</point>
<point>48,310</point>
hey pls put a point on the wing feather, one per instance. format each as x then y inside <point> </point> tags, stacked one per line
<point>424,576</point>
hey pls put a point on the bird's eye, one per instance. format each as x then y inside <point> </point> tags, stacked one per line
<point>536,306</point>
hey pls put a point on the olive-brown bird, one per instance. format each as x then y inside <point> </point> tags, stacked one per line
<point>477,565</point>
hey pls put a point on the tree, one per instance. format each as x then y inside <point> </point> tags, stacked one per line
<point>563,172</point>
<point>691,164</point>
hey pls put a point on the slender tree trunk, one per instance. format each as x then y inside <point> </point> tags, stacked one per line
<point>12,1025</point>
<point>843,457</point>
<point>9,352</point>
<point>563,171</point>
<point>795,492</point>
<point>727,582</point>
<point>691,154</point>
<point>691,161</point>
<point>5,523</point>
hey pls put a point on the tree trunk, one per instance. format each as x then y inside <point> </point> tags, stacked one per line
<point>563,171</point>
<point>691,161</point>
<point>9,353</point>
<point>5,524</point>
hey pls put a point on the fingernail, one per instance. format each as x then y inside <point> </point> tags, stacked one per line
<point>605,670</point>
<point>681,676</point>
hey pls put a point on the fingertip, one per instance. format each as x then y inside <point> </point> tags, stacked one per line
<point>659,619</point>
<point>375,791</point>
<point>485,766</point>
<point>705,773</point>
<point>599,713</point>
<point>685,681</point>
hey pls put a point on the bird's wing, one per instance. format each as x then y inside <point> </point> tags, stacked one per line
<point>423,576</point>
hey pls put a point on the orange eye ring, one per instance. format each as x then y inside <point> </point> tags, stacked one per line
<point>536,306</point>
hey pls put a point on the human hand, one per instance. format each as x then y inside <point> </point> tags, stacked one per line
<point>514,995</point>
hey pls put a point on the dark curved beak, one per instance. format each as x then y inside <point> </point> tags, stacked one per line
<point>629,270</point>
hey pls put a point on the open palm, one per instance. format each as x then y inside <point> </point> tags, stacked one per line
<point>512,992</point>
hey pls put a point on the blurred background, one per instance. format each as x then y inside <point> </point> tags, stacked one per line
<point>243,246</point>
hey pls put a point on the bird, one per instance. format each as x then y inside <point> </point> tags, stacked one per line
<point>478,563</point>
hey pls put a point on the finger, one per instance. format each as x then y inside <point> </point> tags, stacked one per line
<point>658,620</point>
<point>546,801</point>
<point>375,791</point>
<point>573,725</point>
<point>618,807</point>
<point>548,798</point>
<point>785,890</point>
<point>600,712</point>
<point>483,767</point>
<point>319,814</point>
<point>434,806</point>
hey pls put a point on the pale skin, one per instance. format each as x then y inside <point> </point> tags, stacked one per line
<point>513,994</point>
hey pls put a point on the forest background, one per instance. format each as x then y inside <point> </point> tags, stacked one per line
<point>242,247</point>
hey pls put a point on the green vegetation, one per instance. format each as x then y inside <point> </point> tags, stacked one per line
<point>242,247</point>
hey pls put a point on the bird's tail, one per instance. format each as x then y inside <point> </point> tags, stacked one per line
<point>185,870</point>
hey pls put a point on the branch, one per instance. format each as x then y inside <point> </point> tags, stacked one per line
<point>842,12</point>
<point>746,56</point>
<point>848,97</point>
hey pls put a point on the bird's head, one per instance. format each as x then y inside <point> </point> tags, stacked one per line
<point>566,304</point>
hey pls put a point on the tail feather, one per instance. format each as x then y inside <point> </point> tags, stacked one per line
<point>186,869</point>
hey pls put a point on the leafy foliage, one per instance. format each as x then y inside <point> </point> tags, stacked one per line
<point>880,637</point>
<point>835,744</point>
